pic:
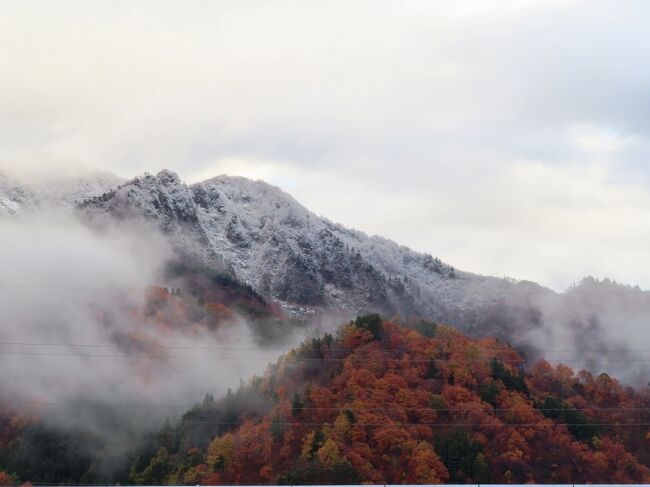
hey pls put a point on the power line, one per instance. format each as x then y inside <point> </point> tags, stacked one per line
<point>503,348</point>
<point>339,408</point>
<point>76,288</point>
<point>545,422</point>
<point>175,347</point>
<point>296,358</point>
<point>311,359</point>
<point>542,292</point>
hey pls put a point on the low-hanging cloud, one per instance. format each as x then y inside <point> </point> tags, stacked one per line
<point>598,326</point>
<point>67,294</point>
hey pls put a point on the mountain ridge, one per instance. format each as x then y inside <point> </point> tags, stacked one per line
<point>265,238</point>
<point>321,273</point>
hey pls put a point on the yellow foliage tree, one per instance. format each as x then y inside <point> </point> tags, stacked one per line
<point>426,467</point>
<point>220,453</point>
<point>329,454</point>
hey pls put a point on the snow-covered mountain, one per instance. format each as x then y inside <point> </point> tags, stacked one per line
<point>324,273</point>
<point>312,266</point>
<point>13,197</point>
<point>18,197</point>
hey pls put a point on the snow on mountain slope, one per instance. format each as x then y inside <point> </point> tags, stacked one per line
<point>18,197</point>
<point>310,265</point>
<point>324,273</point>
<point>13,197</point>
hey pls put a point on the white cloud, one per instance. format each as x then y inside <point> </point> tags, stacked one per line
<point>507,137</point>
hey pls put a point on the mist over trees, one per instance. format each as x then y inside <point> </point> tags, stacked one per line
<point>376,402</point>
<point>388,404</point>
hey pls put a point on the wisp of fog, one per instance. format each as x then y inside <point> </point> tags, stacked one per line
<point>59,281</point>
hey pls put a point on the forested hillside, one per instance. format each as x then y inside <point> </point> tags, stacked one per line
<point>377,402</point>
<point>383,403</point>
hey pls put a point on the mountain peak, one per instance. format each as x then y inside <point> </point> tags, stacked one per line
<point>311,266</point>
<point>168,177</point>
<point>249,189</point>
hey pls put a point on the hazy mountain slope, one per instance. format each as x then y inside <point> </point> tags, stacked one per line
<point>13,197</point>
<point>18,197</point>
<point>310,265</point>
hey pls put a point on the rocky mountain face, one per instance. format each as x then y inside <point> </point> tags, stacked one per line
<point>314,268</point>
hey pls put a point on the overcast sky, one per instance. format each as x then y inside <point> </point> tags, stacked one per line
<point>508,138</point>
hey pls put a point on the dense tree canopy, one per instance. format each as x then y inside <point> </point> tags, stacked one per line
<point>378,403</point>
<point>383,403</point>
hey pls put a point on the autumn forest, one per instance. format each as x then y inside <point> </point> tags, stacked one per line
<point>375,402</point>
